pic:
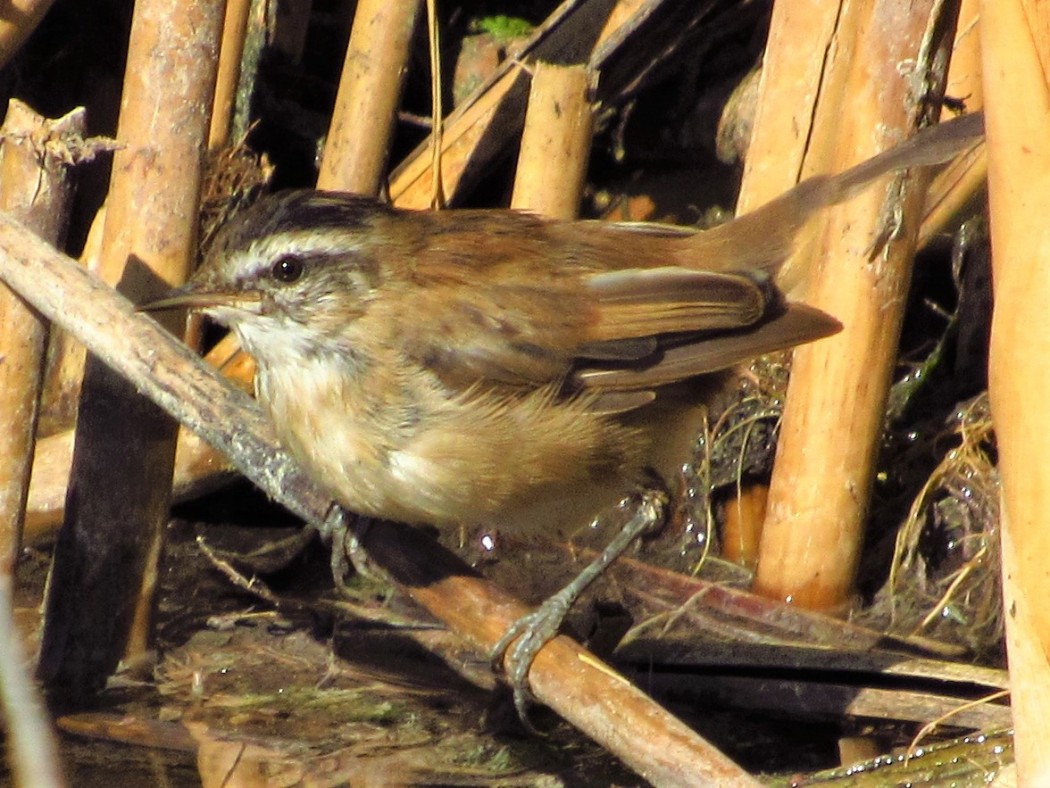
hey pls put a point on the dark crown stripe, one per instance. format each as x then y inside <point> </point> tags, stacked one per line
<point>306,209</point>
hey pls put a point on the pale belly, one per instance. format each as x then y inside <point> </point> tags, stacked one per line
<point>448,461</point>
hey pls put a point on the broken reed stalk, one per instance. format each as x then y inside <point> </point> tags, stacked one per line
<point>834,415</point>
<point>570,680</point>
<point>34,188</point>
<point>362,125</point>
<point>104,570</point>
<point>1014,40</point>
<point>556,142</point>
<point>231,50</point>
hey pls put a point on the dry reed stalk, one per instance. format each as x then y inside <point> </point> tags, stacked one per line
<point>1015,37</point>
<point>566,677</point>
<point>234,31</point>
<point>791,71</point>
<point>66,367</point>
<point>359,135</point>
<point>861,262</point>
<point>800,34</point>
<point>198,469</point>
<point>556,142</point>
<point>19,19</point>
<point>35,188</point>
<point>104,569</point>
<point>742,524</point>
<point>951,190</point>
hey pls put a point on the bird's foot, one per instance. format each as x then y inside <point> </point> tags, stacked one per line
<point>345,538</point>
<point>526,637</point>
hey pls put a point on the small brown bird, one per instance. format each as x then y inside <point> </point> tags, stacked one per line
<point>472,366</point>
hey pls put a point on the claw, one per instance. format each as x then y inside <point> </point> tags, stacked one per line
<point>345,538</point>
<point>526,637</point>
<point>523,640</point>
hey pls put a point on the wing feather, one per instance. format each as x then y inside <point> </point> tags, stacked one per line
<point>535,305</point>
<point>687,356</point>
<point>645,302</point>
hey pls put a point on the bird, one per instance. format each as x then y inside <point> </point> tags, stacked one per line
<point>474,366</point>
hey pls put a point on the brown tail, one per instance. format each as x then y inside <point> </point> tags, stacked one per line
<point>764,237</point>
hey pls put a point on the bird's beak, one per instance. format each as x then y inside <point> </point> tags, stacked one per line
<point>190,296</point>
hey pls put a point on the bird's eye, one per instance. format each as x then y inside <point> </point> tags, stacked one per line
<point>287,269</point>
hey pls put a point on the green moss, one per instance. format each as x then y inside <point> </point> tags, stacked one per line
<point>502,28</point>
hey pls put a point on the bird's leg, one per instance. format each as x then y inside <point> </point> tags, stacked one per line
<point>519,645</point>
<point>345,541</point>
